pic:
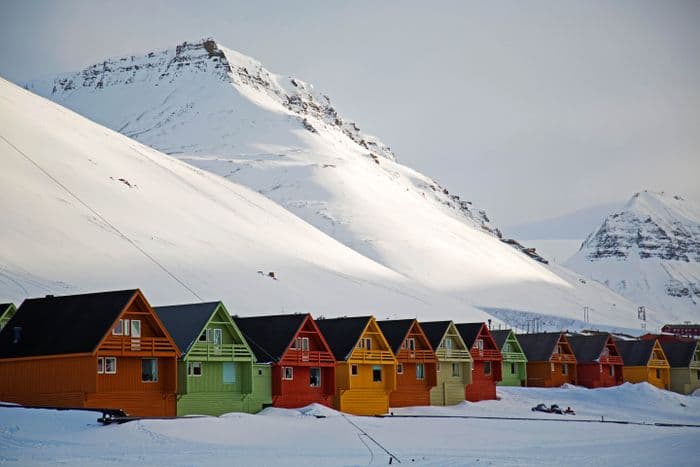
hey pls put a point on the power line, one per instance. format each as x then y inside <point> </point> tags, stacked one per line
<point>99,216</point>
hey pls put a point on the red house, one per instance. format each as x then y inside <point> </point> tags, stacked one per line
<point>599,363</point>
<point>303,366</point>
<point>487,368</point>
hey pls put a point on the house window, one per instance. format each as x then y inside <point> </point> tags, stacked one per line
<point>149,369</point>
<point>612,370</point>
<point>399,368</point>
<point>305,344</point>
<point>194,368</point>
<point>480,345</point>
<point>203,336</point>
<point>552,366</point>
<point>353,370</point>
<point>368,343</point>
<point>456,370</point>
<point>658,374</point>
<point>437,367</point>
<point>447,343</point>
<point>118,328</point>
<point>287,372</point>
<point>315,377</point>
<point>111,365</point>
<point>412,344</point>
<point>126,327</point>
<point>512,368</point>
<point>135,328</point>
<point>260,372</point>
<point>377,373</point>
<point>228,375</point>
<point>564,368</point>
<point>100,365</point>
<point>420,371</point>
<point>487,368</point>
<point>507,347</point>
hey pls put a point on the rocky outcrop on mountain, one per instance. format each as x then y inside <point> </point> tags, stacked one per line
<point>649,251</point>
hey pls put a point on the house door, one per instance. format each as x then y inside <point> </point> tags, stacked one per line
<point>135,334</point>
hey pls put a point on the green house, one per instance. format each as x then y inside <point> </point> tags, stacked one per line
<point>217,372</point>
<point>7,311</point>
<point>514,360</point>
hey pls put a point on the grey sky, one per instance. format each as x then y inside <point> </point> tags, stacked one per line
<point>529,109</point>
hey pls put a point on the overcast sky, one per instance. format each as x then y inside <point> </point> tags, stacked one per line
<point>529,109</point>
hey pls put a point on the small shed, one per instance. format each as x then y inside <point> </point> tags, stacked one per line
<point>514,365</point>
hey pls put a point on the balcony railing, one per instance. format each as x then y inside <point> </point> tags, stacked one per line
<point>206,351</point>
<point>372,355</point>
<point>421,355</point>
<point>658,363</point>
<point>611,360</point>
<point>563,358</point>
<point>119,345</point>
<point>513,357</point>
<point>486,354</point>
<point>310,357</point>
<point>452,354</point>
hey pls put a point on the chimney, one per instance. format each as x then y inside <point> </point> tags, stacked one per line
<point>49,296</point>
<point>18,334</point>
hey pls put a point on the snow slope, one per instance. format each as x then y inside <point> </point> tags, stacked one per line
<point>649,252</point>
<point>223,112</point>
<point>31,437</point>
<point>85,208</point>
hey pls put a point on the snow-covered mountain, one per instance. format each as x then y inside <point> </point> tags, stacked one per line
<point>223,112</point>
<point>649,252</point>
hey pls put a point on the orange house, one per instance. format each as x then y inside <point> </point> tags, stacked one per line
<point>100,350</point>
<point>416,362</point>
<point>550,360</point>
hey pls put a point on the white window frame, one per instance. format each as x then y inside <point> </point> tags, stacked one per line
<point>127,327</point>
<point>399,368</point>
<point>552,366</point>
<point>190,369</point>
<point>304,344</point>
<point>447,343</point>
<point>612,370</point>
<point>412,344</point>
<point>134,334</point>
<point>354,370</point>
<point>318,385</point>
<point>217,335</point>
<point>100,365</point>
<point>420,375</point>
<point>480,345</point>
<point>156,367</point>
<point>118,329</point>
<point>287,373</point>
<point>456,369</point>
<point>114,366</point>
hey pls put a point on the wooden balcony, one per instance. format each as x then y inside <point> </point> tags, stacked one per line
<point>563,358</point>
<point>208,351</point>
<point>407,355</point>
<point>513,357</point>
<point>611,360</point>
<point>486,354</point>
<point>308,358</point>
<point>453,354</point>
<point>657,363</point>
<point>137,346</point>
<point>373,356</point>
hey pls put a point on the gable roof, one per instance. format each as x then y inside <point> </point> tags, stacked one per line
<point>501,336</point>
<point>5,306</point>
<point>342,334</point>
<point>67,324</point>
<point>270,336</point>
<point>588,348</point>
<point>635,353</point>
<point>679,354</point>
<point>435,331</point>
<point>469,332</point>
<point>185,322</point>
<point>395,331</point>
<point>538,347</point>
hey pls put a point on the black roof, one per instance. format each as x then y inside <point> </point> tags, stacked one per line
<point>501,336</point>
<point>395,331</point>
<point>635,353</point>
<point>538,347</point>
<point>435,330</point>
<point>679,354</point>
<point>469,332</point>
<point>588,348</point>
<point>185,322</point>
<point>269,336</point>
<point>342,334</point>
<point>63,325</point>
<point>4,307</point>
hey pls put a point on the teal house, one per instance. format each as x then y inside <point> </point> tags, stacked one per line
<point>7,311</point>
<point>514,359</point>
<point>217,372</point>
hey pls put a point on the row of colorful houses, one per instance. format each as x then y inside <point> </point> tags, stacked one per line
<point>113,350</point>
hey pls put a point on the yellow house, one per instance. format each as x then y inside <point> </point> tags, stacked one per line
<point>365,373</point>
<point>644,360</point>
<point>454,362</point>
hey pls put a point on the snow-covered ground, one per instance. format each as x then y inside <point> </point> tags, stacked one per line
<point>297,437</point>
